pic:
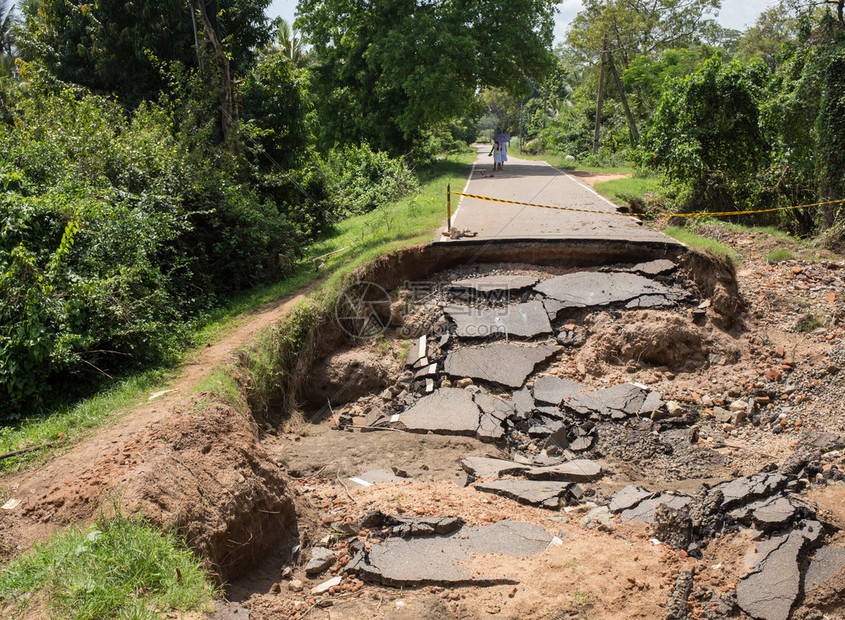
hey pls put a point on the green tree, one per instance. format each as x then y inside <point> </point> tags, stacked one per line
<point>7,24</point>
<point>765,39</point>
<point>112,46</point>
<point>289,45</point>
<point>636,27</point>
<point>646,75</point>
<point>706,133</point>
<point>388,71</point>
<point>805,113</point>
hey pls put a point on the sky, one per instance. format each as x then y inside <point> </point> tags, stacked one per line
<point>737,14</point>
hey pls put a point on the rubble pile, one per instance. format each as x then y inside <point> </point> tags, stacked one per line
<point>483,372</point>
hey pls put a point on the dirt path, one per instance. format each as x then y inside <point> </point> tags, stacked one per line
<point>70,487</point>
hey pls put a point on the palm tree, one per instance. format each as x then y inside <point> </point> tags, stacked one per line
<point>7,23</point>
<point>290,45</point>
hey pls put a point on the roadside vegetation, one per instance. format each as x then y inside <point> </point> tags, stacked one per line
<point>712,119</point>
<point>121,567</point>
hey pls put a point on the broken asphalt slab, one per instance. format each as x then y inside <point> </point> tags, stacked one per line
<point>485,467</point>
<point>447,411</point>
<point>584,289</point>
<point>487,284</point>
<point>644,510</point>
<point>740,491</point>
<point>579,470</point>
<point>627,498</point>
<point>771,589</point>
<point>445,560</point>
<point>503,363</point>
<point>554,390</point>
<point>546,494</point>
<point>617,401</point>
<point>527,320</point>
<point>827,562</point>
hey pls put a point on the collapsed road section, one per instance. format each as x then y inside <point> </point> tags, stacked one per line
<point>538,417</point>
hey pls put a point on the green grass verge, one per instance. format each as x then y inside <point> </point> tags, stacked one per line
<point>123,567</point>
<point>776,256</point>
<point>617,189</point>
<point>360,238</point>
<point>559,161</point>
<point>697,242</point>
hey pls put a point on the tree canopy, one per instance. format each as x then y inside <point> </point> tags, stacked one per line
<point>388,71</point>
<point>110,46</point>
<point>639,26</point>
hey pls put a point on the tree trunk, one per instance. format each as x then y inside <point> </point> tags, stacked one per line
<point>600,96</point>
<point>228,126</point>
<point>635,135</point>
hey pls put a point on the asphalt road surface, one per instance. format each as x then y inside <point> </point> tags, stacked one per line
<point>538,182</point>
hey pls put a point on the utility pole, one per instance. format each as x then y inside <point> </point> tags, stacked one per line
<point>635,135</point>
<point>600,96</point>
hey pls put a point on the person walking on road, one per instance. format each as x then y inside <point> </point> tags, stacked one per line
<point>502,140</point>
<point>497,152</point>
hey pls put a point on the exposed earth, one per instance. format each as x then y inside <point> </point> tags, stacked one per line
<point>628,441</point>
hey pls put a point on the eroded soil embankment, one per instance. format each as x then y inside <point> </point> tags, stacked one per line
<point>644,418</point>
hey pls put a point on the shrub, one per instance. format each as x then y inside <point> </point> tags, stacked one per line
<point>116,230</point>
<point>363,179</point>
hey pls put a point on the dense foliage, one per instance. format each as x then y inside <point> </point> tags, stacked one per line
<point>124,216</point>
<point>113,47</point>
<point>114,228</point>
<point>388,74</point>
<point>706,132</point>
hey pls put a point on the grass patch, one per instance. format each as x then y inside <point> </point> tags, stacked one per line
<point>809,322</point>
<point>360,238</point>
<point>121,567</point>
<point>776,256</point>
<point>766,230</point>
<point>697,242</point>
<point>618,190</point>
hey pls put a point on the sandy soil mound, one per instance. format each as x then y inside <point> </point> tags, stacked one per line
<point>655,338</point>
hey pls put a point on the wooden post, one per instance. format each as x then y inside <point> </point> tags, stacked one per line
<point>600,96</point>
<point>635,135</point>
<point>449,208</point>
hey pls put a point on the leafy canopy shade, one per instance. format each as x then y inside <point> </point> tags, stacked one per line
<point>107,46</point>
<point>387,70</point>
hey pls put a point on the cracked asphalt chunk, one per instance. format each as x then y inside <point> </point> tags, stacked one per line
<point>554,390</point>
<point>769,592</point>
<point>584,288</point>
<point>527,320</point>
<point>485,284</point>
<point>447,411</point>
<point>503,363</point>
<point>446,560</point>
<point>546,494</point>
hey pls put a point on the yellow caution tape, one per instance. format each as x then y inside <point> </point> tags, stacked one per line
<point>530,204</point>
<point>720,213</point>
